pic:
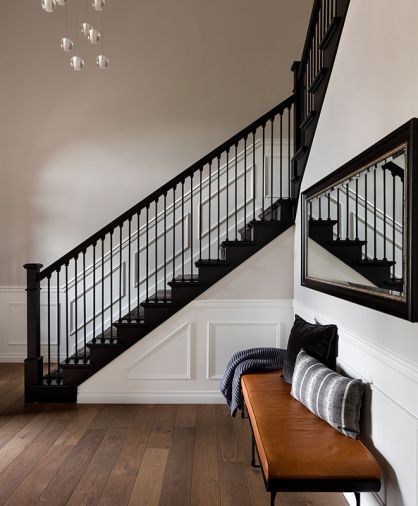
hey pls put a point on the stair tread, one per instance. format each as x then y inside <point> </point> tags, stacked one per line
<point>370,262</point>
<point>212,263</point>
<point>346,242</point>
<point>192,278</point>
<point>239,243</point>
<point>322,223</point>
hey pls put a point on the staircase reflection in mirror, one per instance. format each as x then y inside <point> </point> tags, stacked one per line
<point>356,229</point>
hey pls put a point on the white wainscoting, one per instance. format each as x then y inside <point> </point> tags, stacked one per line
<point>390,411</point>
<point>183,359</point>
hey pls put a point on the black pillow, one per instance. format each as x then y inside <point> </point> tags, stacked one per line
<point>319,341</point>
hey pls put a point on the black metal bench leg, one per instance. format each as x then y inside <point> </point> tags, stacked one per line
<point>243,411</point>
<point>357,494</point>
<point>253,464</point>
<point>272,498</point>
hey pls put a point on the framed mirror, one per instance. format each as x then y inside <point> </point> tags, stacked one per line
<point>360,227</point>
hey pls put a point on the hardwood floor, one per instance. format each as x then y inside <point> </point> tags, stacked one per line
<point>171,455</point>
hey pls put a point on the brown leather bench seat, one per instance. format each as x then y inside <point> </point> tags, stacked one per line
<point>298,451</point>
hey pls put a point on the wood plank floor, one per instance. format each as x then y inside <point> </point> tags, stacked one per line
<point>171,455</point>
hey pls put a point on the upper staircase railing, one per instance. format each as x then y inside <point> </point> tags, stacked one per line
<point>312,73</point>
<point>129,262</point>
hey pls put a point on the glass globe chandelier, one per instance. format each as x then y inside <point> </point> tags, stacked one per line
<point>87,26</point>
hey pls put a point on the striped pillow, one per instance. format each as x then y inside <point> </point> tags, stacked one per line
<point>334,398</point>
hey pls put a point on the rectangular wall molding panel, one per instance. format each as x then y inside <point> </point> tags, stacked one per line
<point>390,410</point>
<point>184,359</point>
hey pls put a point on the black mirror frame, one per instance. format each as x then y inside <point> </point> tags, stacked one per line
<point>408,307</point>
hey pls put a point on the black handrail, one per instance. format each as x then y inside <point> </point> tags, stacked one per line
<point>278,109</point>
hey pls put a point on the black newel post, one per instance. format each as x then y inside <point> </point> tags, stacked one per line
<point>34,361</point>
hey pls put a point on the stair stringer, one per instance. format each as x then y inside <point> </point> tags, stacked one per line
<point>250,306</point>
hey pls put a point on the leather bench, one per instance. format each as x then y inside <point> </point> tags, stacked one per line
<point>299,452</point>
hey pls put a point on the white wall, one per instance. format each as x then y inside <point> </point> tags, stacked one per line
<point>373,90</point>
<point>77,149</point>
<point>184,358</point>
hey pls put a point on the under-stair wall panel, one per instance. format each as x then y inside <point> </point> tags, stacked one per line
<point>183,359</point>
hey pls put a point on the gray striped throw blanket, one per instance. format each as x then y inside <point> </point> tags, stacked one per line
<point>254,359</point>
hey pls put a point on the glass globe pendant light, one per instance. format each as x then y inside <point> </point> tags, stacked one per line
<point>77,63</point>
<point>94,36</point>
<point>98,5</point>
<point>48,5</point>
<point>102,62</point>
<point>66,44</point>
<point>85,29</point>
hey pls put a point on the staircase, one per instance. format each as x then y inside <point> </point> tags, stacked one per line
<point>117,286</point>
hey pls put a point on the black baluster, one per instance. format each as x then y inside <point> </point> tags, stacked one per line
<point>245,183</point>
<point>219,205</point>
<point>156,249</point>
<point>129,266</point>
<point>236,194</point>
<point>94,292</point>
<point>338,215</point>
<point>329,204</point>
<point>138,264</point>
<point>402,229</point>
<point>210,206</point>
<point>310,209</point>
<point>263,183</point>
<point>319,208</point>
<point>174,232</point>
<point>289,168</point>
<point>120,272</point>
<point>84,310</point>
<point>111,283</point>
<point>200,214</point>
<point>366,214</point>
<point>190,234</point>
<point>281,155</point>
<point>384,215</point>
<point>165,246</point>
<point>76,308</point>
<point>182,230</point>
<point>58,327</point>
<point>253,194</point>
<point>347,217</point>
<point>357,237</point>
<point>375,212</point>
<point>49,379</point>
<point>393,223</point>
<point>227,194</point>
<point>271,172</point>
<point>147,255</point>
<point>103,292</point>
<point>67,327</point>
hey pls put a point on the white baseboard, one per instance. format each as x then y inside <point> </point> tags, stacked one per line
<point>171,397</point>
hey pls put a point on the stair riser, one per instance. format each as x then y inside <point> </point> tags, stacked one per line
<point>211,275</point>
<point>102,356</point>
<point>374,274</point>
<point>347,253</point>
<point>184,294</point>
<point>265,234</point>
<point>237,255</point>
<point>74,376</point>
<point>44,393</point>
<point>129,334</point>
<point>321,234</point>
<point>156,314</point>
